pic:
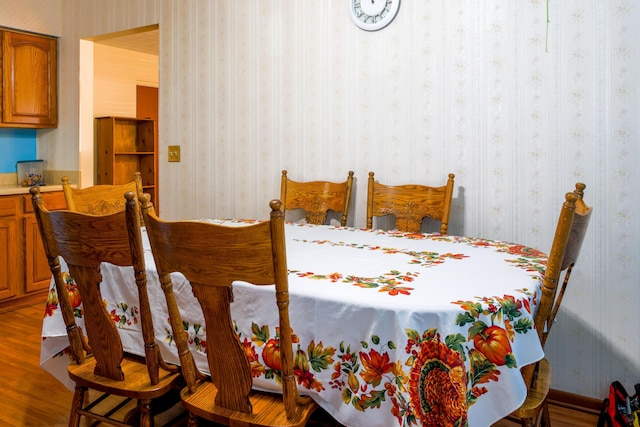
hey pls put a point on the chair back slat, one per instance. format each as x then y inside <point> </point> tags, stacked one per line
<point>410,203</point>
<point>82,241</point>
<point>97,199</point>
<point>245,252</point>
<point>102,332</point>
<point>579,227</point>
<point>316,198</point>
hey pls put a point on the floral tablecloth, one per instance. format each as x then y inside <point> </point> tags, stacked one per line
<point>390,328</point>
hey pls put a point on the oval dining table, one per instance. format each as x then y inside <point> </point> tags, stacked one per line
<point>390,328</point>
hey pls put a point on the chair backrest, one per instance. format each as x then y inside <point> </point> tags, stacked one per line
<point>565,249</point>
<point>98,199</point>
<point>211,257</point>
<point>317,197</point>
<point>410,203</point>
<point>567,241</point>
<point>85,241</point>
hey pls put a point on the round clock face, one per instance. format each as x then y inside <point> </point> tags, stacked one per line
<point>372,15</point>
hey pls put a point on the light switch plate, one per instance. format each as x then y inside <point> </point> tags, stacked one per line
<point>174,153</point>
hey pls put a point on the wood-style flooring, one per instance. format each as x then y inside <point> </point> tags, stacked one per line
<point>31,397</point>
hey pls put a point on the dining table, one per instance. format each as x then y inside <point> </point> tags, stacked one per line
<point>389,328</point>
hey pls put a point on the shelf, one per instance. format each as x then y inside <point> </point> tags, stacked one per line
<point>126,146</point>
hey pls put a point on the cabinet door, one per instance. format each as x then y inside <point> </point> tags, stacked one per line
<point>29,80</point>
<point>10,277</point>
<point>36,266</point>
<point>37,272</point>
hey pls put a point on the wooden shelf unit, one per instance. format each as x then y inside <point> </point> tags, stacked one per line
<point>125,146</point>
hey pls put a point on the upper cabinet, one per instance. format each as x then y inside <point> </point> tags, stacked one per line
<point>29,80</point>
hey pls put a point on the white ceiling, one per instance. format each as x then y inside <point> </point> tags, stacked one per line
<point>145,41</point>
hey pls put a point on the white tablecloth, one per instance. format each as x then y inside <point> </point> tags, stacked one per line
<point>390,328</point>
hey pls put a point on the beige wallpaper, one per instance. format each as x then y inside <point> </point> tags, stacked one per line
<point>251,87</point>
<point>39,16</point>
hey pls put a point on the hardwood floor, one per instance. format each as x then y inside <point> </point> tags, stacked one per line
<point>32,397</point>
<point>561,417</point>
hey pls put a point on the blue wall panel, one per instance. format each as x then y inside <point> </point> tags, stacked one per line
<point>15,145</point>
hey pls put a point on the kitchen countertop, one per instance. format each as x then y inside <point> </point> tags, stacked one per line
<point>6,190</point>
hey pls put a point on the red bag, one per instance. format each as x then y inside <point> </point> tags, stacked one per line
<point>620,409</point>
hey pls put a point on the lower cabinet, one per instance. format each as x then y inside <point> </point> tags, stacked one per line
<point>8,249</point>
<point>24,270</point>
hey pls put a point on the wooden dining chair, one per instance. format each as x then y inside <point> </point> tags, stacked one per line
<point>565,249</point>
<point>211,257</point>
<point>410,204</point>
<point>316,198</point>
<point>98,199</point>
<point>99,361</point>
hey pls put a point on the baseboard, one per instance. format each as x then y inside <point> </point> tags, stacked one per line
<point>576,402</point>
<point>32,298</point>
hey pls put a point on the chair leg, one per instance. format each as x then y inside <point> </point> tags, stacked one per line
<point>146,417</point>
<point>76,405</point>
<point>545,417</point>
<point>527,422</point>
<point>192,421</point>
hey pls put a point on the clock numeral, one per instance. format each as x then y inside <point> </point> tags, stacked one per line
<point>373,14</point>
<point>357,9</point>
<point>371,18</point>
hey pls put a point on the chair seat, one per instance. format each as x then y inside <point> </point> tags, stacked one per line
<point>268,409</point>
<point>537,394</point>
<point>135,385</point>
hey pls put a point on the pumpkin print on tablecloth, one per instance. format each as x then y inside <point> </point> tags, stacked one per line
<point>74,297</point>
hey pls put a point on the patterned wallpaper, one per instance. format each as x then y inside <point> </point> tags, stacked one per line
<point>38,16</point>
<point>251,87</point>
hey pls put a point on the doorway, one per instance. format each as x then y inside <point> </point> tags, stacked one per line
<point>111,67</point>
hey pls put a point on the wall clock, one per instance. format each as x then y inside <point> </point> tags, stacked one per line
<point>371,15</point>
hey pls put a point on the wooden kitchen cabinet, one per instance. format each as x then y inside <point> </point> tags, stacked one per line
<point>37,274</point>
<point>24,270</point>
<point>125,146</point>
<point>29,80</point>
<point>9,247</point>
